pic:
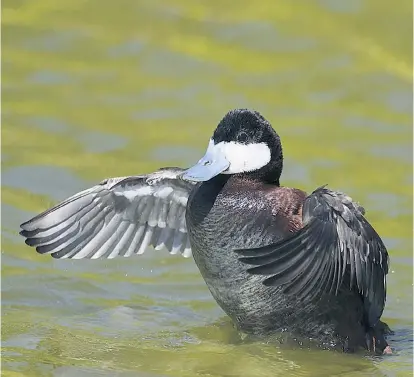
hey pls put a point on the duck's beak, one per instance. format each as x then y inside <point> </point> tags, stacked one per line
<point>213,163</point>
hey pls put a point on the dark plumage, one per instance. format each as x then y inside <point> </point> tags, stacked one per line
<point>273,258</point>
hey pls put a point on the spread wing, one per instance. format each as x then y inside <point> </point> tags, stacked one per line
<point>119,216</point>
<point>336,248</point>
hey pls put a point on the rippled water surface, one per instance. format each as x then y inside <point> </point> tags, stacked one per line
<point>93,89</point>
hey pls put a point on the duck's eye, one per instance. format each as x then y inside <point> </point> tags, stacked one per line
<point>242,137</point>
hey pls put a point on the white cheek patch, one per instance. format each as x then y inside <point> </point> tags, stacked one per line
<point>242,157</point>
<point>246,157</point>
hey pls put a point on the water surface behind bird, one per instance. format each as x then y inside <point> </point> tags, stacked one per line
<point>98,89</point>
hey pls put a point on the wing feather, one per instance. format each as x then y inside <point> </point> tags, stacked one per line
<point>336,240</point>
<point>118,217</point>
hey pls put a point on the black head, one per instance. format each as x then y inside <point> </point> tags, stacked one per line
<point>244,143</point>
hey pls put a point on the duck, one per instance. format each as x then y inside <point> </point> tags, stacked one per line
<point>274,258</point>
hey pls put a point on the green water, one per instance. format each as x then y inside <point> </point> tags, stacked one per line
<point>94,89</point>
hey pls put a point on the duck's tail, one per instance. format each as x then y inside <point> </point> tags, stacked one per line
<point>376,339</point>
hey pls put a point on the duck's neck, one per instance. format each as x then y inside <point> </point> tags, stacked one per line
<point>271,177</point>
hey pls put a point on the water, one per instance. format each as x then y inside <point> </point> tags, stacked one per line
<point>94,89</point>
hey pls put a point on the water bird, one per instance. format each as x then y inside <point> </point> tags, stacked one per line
<point>274,258</point>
